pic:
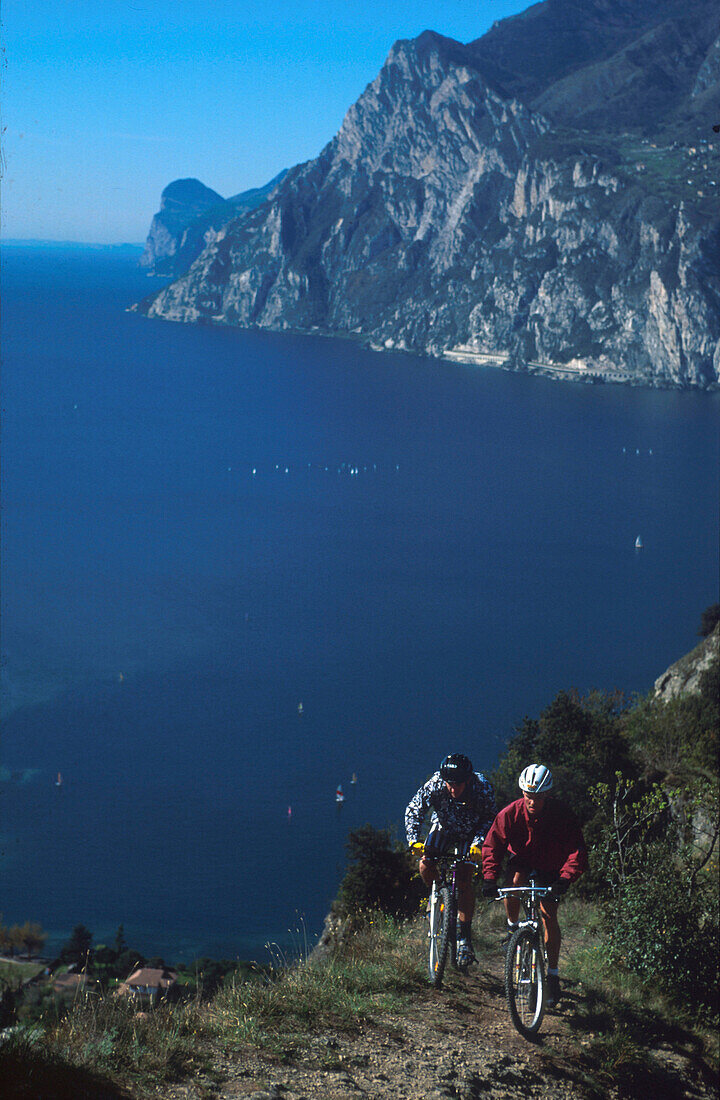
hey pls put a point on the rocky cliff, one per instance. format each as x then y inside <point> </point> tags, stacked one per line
<point>545,199</point>
<point>189,217</point>
<point>685,675</point>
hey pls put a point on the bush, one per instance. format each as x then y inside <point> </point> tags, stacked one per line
<point>78,948</point>
<point>662,912</point>
<point>678,739</point>
<point>666,934</point>
<point>382,876</point>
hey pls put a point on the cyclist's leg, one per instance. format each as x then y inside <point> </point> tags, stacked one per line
<point>428,871</point>
<point>517,875</point>
<point>465,894</point>
<point>553,936</point>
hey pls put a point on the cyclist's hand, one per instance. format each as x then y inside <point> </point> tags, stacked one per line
<point>417,847</point>
<point>557,889</point>
<point>489,888</point>
<point>475,853</point>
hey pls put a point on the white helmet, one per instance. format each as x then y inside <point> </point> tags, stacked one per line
<point>536,779</point>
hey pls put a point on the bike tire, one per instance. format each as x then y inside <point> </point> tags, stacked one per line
<point>440,921</point>
<point>525,986</point>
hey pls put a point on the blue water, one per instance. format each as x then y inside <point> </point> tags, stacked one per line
<point>165,610</point>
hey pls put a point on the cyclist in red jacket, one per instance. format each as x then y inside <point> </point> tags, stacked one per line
<point>542,835</point>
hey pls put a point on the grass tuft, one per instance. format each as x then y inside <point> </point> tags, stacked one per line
<point>369,973</point>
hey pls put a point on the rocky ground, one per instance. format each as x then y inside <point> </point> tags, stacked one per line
<point>459,1043</point>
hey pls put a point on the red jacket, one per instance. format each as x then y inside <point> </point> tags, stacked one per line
<point>552,841</point>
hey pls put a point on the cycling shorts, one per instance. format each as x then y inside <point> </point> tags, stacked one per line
<point>542,878</point>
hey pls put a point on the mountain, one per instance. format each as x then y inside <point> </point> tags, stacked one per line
<point>189,216</point>
<point>608,63</point>
<point>544,198</point>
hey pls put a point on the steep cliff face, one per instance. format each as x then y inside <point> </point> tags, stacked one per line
<point>449,217</point>
<point>189,217</point>
<point>181,203</point>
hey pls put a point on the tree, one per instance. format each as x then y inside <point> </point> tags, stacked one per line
<point>104,957</point>
<point>381,876</point>
<point>120,941</point>
<point>78,947</point>
<point>16,939</point>
<point>582,740</point>
<point>33,937</point>
<point>127,962</point>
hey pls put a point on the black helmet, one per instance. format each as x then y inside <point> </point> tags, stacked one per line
<point>456,768</point>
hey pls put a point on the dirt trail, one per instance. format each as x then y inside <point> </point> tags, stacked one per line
<point>455,1043</point>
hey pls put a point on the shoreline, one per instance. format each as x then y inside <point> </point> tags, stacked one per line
<point>577,370</point>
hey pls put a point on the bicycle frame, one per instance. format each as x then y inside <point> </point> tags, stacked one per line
<point>443,911</point>
<point>447,867</point>
<point>529,895</point>
<point>525,961</point>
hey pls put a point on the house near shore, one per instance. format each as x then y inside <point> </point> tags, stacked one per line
<point>148,984</point>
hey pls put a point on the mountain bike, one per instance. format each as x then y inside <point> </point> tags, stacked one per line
<point>525,986</point>
<point>443,910</point>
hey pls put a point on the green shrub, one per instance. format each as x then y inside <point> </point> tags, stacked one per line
<point>661,912</point>
<point>666,934</point>
<point>381,876</point>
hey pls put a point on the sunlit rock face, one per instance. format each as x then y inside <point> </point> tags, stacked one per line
<point>685,676</point>
<point>546,219</point>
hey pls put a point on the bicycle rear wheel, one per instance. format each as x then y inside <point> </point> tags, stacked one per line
<point>440,922</point>
<point>525,981</point>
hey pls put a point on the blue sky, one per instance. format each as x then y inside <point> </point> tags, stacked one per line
<point>105,103</point>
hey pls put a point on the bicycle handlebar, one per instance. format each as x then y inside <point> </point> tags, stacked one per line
<point>503,891</point>
<point>453,854</point>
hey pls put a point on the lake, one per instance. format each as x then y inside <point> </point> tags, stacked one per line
<point>238,567</point>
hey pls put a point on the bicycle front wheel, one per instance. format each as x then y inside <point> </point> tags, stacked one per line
<point>525,981</point>
<point>440,921</point>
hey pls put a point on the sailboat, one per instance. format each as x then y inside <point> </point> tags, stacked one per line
<point>339,796</point>
<point>638,543</point>
<point>59,780</point>
<point>354,778</point>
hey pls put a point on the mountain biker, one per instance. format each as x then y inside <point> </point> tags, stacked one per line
<point>461,803</point>
<point>539,834</point>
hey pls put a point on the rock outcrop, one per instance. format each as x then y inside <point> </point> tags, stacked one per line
<point>685,675</point>
<point>471,207</point>
<point>189,217</point>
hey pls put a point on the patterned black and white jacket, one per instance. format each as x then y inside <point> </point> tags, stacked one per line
<point>467,820</point>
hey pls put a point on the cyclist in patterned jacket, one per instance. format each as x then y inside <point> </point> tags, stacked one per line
<point>541,834</point>
<point>461,804</point>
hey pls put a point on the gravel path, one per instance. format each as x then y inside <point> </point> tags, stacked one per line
<point>457,1043</point>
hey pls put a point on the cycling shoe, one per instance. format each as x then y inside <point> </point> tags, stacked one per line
<point>464,955</point>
